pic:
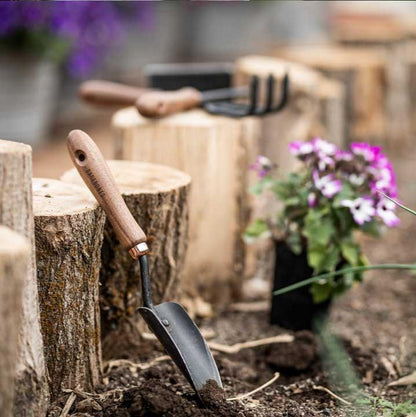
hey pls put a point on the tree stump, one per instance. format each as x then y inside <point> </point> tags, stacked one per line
<point>216,152</point>
<point>390,36</point>
<point>157,196</point>
<point>15,260</point>
<point>69,228</point>
<point>363,73</point>
<point>31,389</point>
<point>308,91</point>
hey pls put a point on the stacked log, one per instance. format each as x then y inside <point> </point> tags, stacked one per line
<point>31,389</point>
<point>363,73</point>
<point>15,260</point>
<point>216,152</point>
<point>157,196</point>
<point>391,36</point>
<point>69,227</point>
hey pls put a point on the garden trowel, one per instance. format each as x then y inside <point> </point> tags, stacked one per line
<point>169,321</point>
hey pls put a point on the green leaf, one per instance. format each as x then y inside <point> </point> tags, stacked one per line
<point>259,228</point>
<point>318,230</point>
<point>346,193</point>
<point>331,259</point>
<point>315,258</point>
<point>321,292</point>
<point>350,252</point>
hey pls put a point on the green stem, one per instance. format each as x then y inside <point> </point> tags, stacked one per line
<point>341,272</point>
<point>400,205</point>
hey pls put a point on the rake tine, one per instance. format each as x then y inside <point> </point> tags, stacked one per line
<point>285,95</point>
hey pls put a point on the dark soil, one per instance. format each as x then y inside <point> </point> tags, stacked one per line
<point>375,325</point>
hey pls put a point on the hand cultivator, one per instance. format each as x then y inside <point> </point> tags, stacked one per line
<point>153,103</point>
<point>169,321</point>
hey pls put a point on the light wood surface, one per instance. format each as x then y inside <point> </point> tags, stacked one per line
<point>16,212</point>
<point>216,152</point>
<point>362,72</point>
<point>69,229</point>
<point>93,169</point>
<point>15,260</point>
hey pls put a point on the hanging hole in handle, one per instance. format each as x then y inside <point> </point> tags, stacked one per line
<point>81,157</point>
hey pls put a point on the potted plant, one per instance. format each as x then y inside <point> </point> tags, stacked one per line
<point>35,38</point>
<point>322,205</point>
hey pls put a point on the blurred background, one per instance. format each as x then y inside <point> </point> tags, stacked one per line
<point>49,48</point>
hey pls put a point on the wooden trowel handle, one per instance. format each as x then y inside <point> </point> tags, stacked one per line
<point>109,93</point>
<point>163,103</point>
<point>94,171</point>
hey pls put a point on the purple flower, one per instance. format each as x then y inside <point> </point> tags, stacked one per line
<point>91,29</point>
<point>385,210</point>
<point>323,147</point>
<point>362,209</point>
<point>368,152</point>
<point>299,148</point>
<point>262,166</point>
<point>324,162</point>
<point>356,179</point>
<point>312,200</point>
<point>343,156</point>
<point>329,185</point>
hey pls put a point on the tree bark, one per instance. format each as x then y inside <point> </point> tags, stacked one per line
<point>15,259</point>
<point>157,196</point>
<point>69,228</point>
<point>31,389</point>
<point>216,152</point>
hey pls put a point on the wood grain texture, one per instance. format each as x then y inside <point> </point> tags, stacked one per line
<point>109,94</point>
<point>69,229</point>
<point>163,103</point>
<point>216,152</point>
<point>31,389</point>
<point>362,72</point>
<point>157,196</point>
<point>15,260</point>
<point>93,169</point>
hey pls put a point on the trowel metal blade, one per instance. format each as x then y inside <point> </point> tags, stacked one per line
<point>183,341</point>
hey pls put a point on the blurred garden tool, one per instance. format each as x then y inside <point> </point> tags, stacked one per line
<point>169,321</point>
<point>253,108</point>
<point>107,93</point>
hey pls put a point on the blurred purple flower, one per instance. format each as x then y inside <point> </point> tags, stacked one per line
<point>322,147</point>
<point>93,29</point>
<point>368,152</point>
<point>385,210</point>
<point>299,148</point>
<point>328,185</point>
<point>362,209</point>
<point>343,155</point>
<point>312,200</point>
<point>262,166</point>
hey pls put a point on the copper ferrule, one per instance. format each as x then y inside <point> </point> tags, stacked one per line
<point>139,250</point>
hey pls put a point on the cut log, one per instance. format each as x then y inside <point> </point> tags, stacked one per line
<point>69,229</point>
<point>309,91</point>
<point>216,152</point>
<point>363,72</point>
<point>15,260</point>
<point>31,388</point>
<point>157,196</point>
<point>391,36</point>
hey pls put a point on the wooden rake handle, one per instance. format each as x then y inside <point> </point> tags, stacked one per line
<point>110,94</point>
<point>93,169</point>
<point>163,103</point>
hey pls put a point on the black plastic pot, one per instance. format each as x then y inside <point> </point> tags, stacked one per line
<point>294,310</point>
